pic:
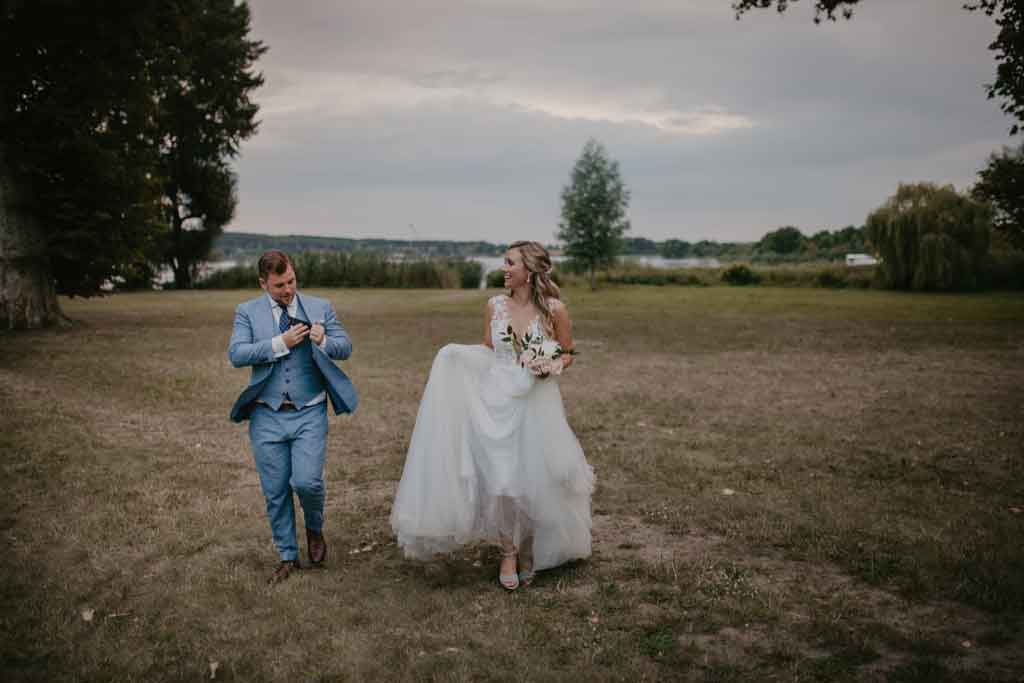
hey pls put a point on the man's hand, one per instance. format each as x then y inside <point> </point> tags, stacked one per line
<point>295,334</point>
<point>316,333</point>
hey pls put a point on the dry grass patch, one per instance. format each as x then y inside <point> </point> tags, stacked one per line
<point>793,485</point>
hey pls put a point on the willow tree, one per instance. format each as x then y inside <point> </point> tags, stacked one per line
<point>931,237</point>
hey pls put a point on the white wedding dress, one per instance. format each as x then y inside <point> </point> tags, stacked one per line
<point>492,456</point>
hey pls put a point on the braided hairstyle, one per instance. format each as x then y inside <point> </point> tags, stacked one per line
<point>538,262</point>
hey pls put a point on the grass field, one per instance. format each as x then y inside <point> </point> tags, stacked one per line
<point>794,484</point>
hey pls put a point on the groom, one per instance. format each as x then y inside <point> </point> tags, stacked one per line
<point>291,342</point>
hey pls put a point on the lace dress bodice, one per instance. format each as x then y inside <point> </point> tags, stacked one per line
<point>500,320</point>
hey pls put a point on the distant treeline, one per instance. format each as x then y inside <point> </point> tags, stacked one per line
<point>244,246</point>
<point>787,244</point>
<point>362,269</point>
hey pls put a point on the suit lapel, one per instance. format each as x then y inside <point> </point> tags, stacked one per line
<point>268,330</point>
<point>301,310</point>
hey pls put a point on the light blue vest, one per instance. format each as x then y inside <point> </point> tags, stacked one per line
<point>295,377</point>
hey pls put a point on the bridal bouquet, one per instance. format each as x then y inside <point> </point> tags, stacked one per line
<point>542,357</point>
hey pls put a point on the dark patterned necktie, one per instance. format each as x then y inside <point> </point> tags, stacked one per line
<point>283,323</point>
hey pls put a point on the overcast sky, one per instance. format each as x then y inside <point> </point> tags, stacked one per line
<point>461,119</point>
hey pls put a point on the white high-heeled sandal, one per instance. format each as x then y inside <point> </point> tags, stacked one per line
<point>526,577</point>
<point>509,582</point>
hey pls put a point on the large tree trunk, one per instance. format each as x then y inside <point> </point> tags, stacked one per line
<point>182,274</point>
<point>28,299</point>
<point>179,265</point>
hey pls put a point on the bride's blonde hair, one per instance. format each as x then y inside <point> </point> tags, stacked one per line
<point>538,263</point>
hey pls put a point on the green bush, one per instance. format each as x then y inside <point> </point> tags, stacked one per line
<point>1005,269</point>
<point>654,276</point>
<point>470,273</point>
<point>740,274</point>
<point>828,277</point>
<point>236,277</point>
<point>496,279</point>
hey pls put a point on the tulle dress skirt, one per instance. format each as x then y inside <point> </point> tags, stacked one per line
<point>492,457</point>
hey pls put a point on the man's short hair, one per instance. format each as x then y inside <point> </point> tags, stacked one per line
<point>273,261</point>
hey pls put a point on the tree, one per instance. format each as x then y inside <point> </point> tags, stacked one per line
<point>705,249</point>
<point>77,191</point>
<point>931,238</point>
<point>204,80</point>
<point>594,207</point>
<point>823,240</point>
<point>785,240</point>
<point>1002,184</point>
<point>639,245</point>
<point>675,249</point>
<point>1009,49</point>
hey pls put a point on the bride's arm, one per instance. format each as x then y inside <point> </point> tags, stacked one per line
<point>488,314</point>
<point>563,330</point>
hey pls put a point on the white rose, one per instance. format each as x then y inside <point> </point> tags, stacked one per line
<point>548,348</point>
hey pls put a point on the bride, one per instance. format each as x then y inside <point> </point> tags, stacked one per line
<point>492,456</point>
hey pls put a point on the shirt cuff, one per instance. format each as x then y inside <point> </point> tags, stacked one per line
<point>279,347</point>
<point>323,344</point>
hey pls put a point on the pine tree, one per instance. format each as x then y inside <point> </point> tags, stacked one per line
<point>204,77</point>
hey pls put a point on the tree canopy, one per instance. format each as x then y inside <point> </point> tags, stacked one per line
<point>204,80</point>
<point>105,108</point>
<point>594,207</point>
<point>1002,184</point>
<point>822,8</point>
<point>931,237</point>
<point>785,240</point>
<point>76,116</point>
<point>1008,47</point>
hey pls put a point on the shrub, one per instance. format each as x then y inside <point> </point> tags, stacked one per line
<point>1005,269</point>
<point>828,277</point>
<point>740,274</point>
<point>653,276</point>
<point>341,269</point>
<point>496,279</point>
<point>470,273</point>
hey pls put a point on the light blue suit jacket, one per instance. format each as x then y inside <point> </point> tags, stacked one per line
<point>251,345</point>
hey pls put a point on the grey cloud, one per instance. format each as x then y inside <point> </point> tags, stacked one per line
<point>840,114</point>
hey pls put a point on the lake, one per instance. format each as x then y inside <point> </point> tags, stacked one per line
<point>491,263</point>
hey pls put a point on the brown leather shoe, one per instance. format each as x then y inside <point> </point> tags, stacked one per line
<point>317,547</point>
<point>283,571</point>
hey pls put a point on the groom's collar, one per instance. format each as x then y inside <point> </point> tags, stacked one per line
<point>293,307</point>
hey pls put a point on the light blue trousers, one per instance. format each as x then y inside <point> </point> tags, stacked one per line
<point>288,447</point>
